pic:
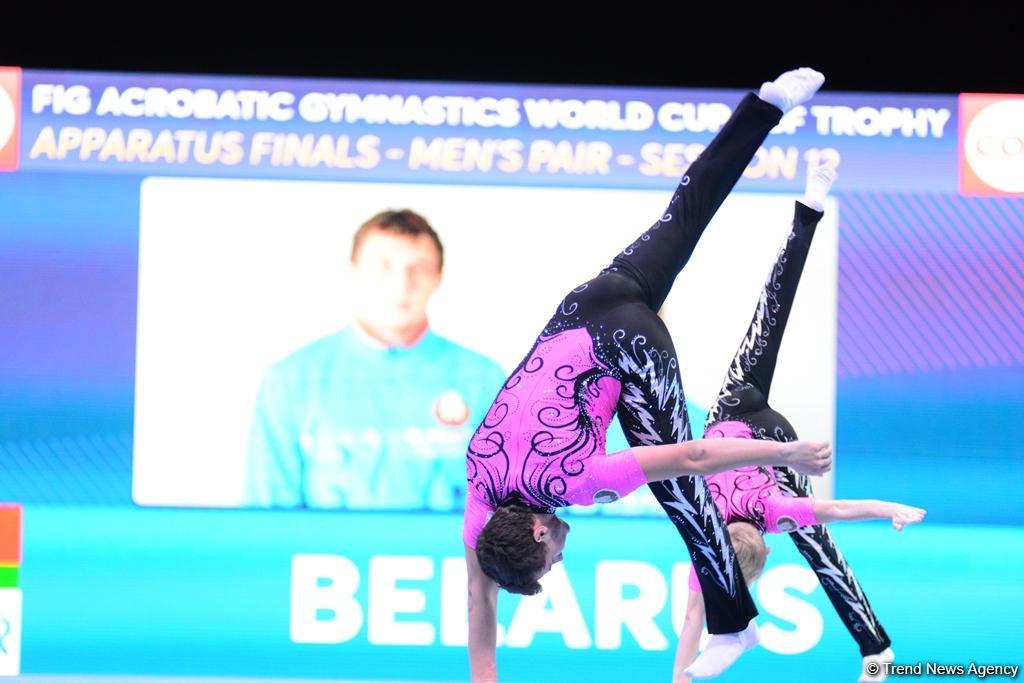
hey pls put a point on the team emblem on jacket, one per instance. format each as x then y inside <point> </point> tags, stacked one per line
<point>451,409</point>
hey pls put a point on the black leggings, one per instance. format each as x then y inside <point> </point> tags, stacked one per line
<point>619,309</point>
<point>744,397</point>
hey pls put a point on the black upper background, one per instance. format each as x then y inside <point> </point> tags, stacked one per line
<point>859,46</point>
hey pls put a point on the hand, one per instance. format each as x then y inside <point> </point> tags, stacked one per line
<point>809,457</point>
<point>902,515</point>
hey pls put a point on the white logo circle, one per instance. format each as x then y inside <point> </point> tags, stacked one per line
<point>994,145</point>
<point>786,524</point>
<point>7,115</point>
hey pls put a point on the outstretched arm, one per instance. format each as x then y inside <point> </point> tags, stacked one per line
<point>707,456</point>
<point>483,621</point>
<point>689,637</point>
<point>857,510</point>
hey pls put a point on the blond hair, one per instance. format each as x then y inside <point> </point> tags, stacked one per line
<point>750,548</point>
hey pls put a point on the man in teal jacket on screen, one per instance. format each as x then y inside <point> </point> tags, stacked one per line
<point>377,415</point>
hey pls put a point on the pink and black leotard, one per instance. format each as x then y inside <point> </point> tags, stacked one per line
<point>605,351</point>
<point>742,410</point>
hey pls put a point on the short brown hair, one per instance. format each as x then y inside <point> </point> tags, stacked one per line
<point>508,553</point>
<point>402,222</point>
<point>751,551</point>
